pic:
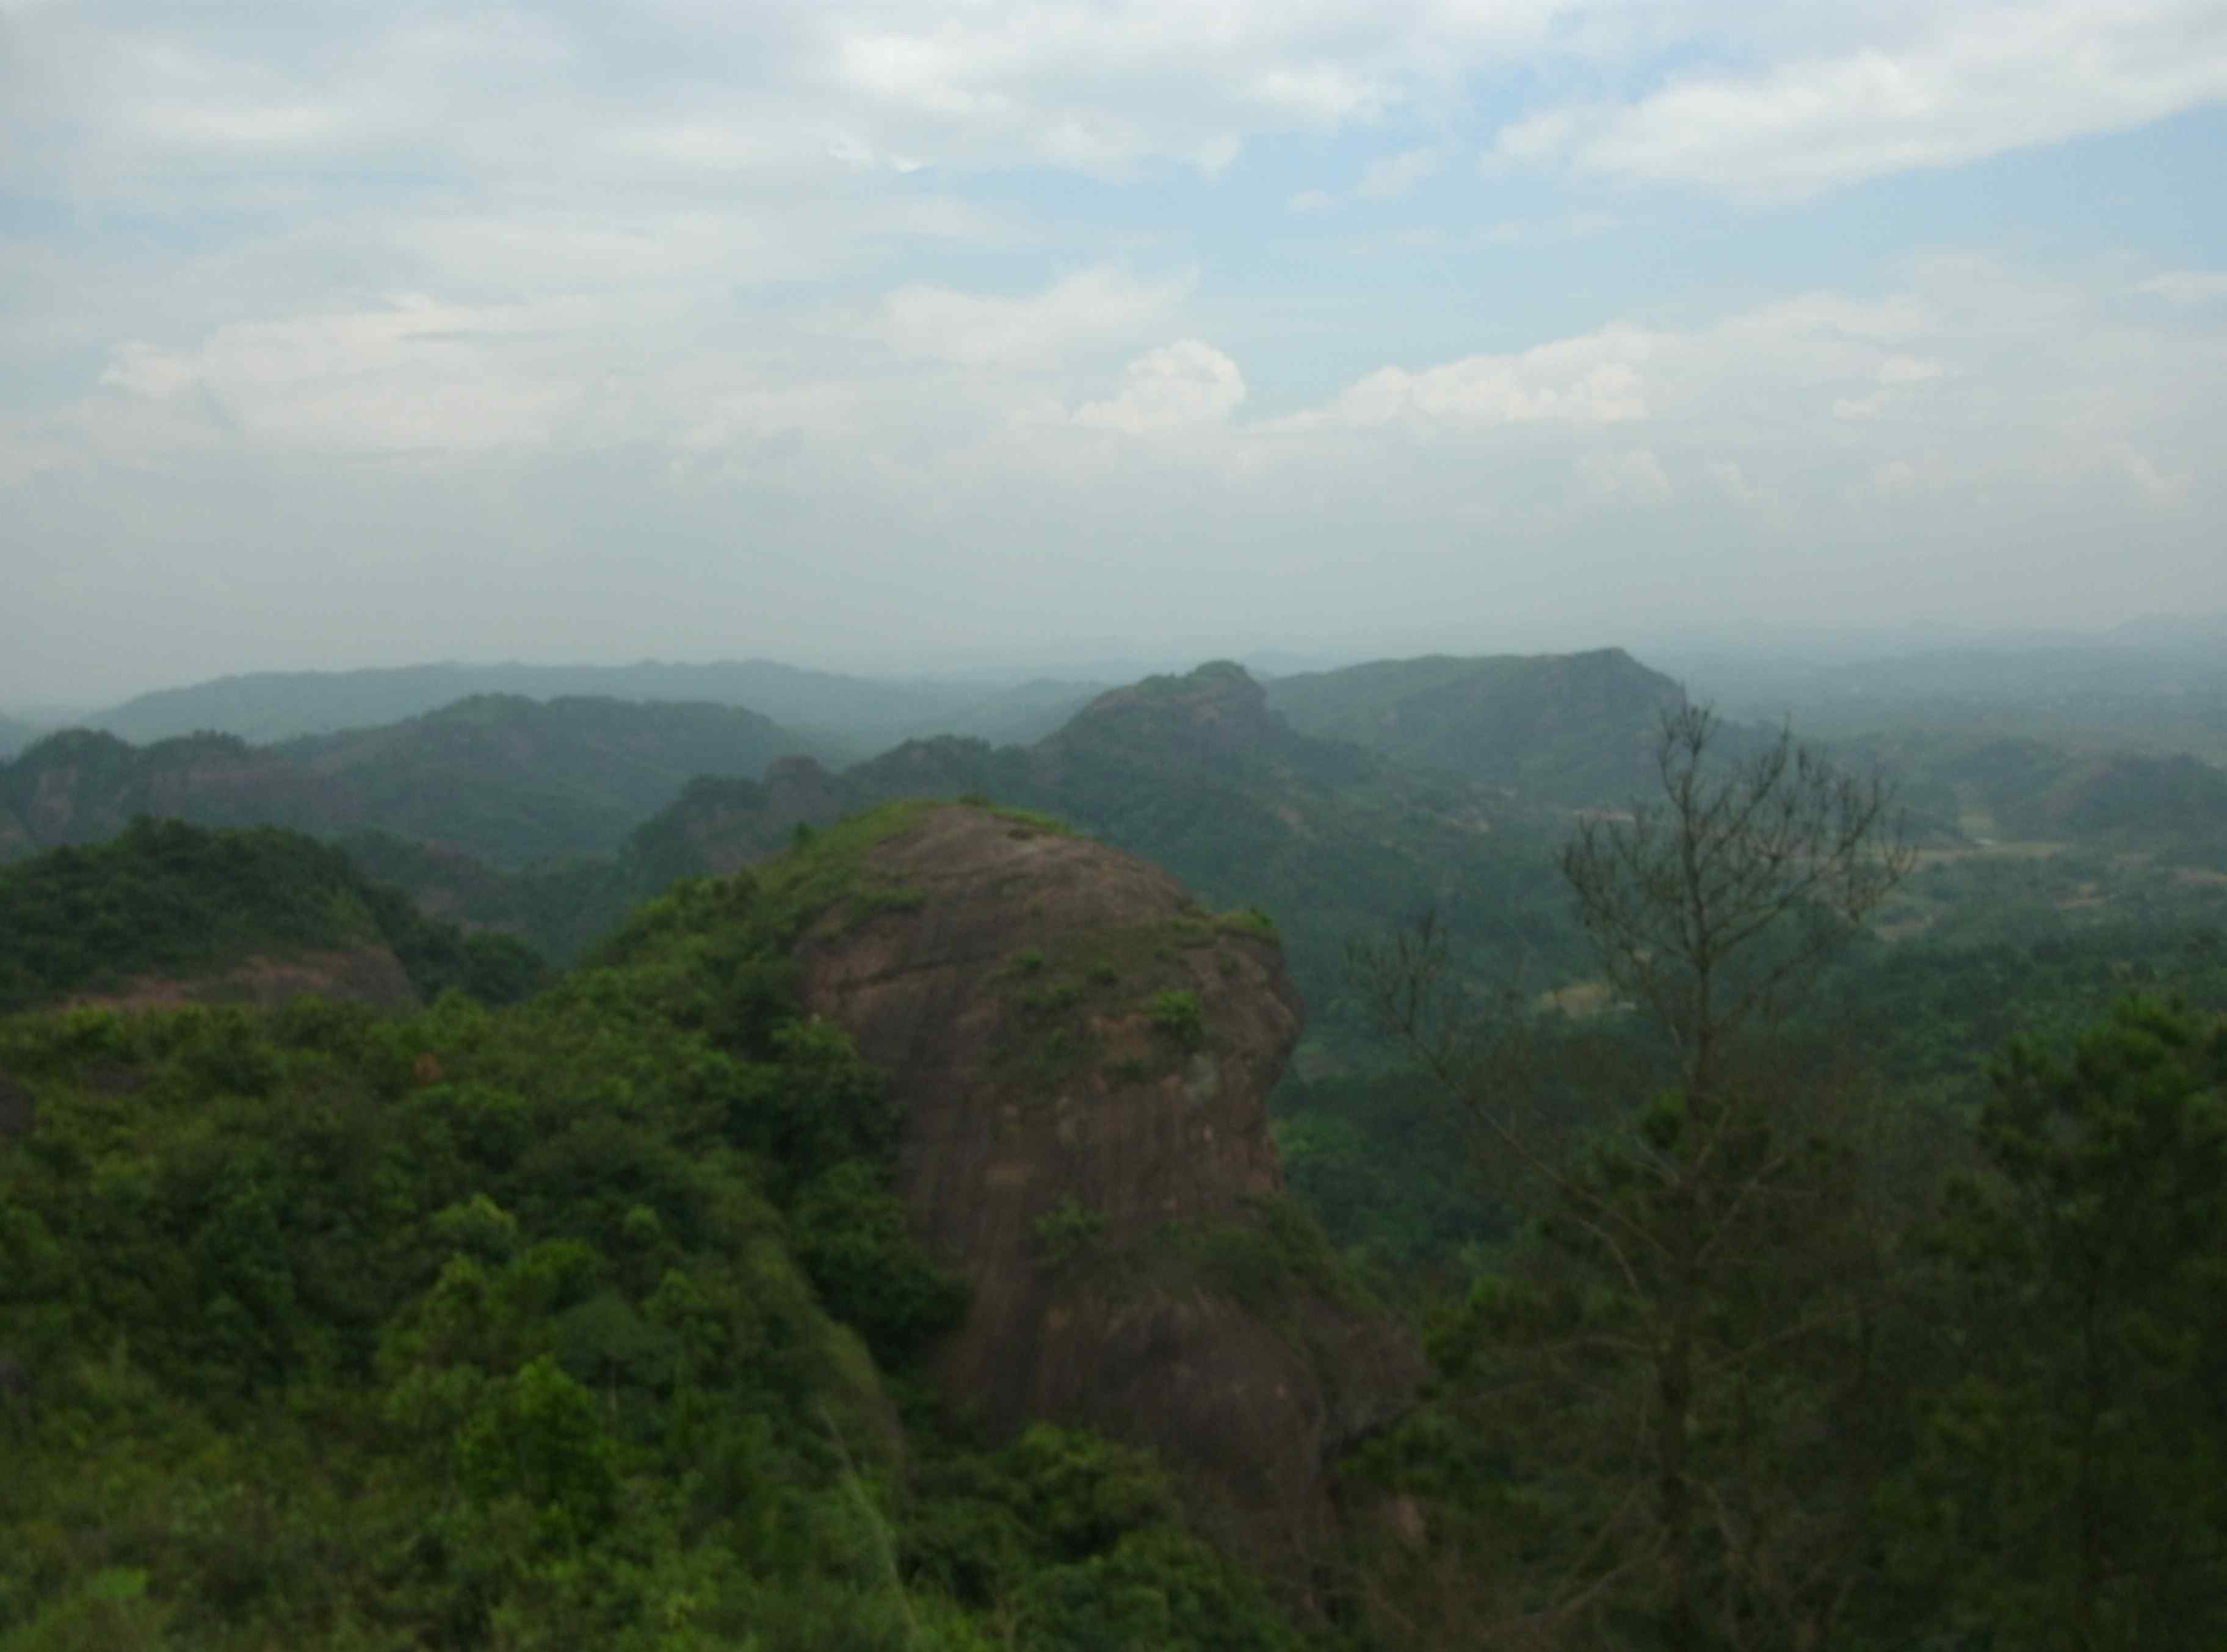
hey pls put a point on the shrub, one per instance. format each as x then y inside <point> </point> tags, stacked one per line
<point>1178,1013</point>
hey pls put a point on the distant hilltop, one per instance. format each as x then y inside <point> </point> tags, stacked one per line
<point>838,716</point>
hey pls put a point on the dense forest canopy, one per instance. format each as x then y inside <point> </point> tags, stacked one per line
<point>167,900</point>
<point>540,1308</point>
<point>585,1323</point>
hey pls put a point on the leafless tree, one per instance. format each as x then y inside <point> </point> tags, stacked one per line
<point>1712,908</point>
<point>1717,1218</point>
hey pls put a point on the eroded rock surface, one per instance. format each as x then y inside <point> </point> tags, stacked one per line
<point>1083,1055</point>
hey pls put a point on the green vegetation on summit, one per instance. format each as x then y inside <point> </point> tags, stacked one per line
<point>1197,773</point>
<point>171,912</point>
<point>833,715</point>
<point>516,780</point>
<point>592,1321</point>
<point>509,781</point>
<point>1569,729</point>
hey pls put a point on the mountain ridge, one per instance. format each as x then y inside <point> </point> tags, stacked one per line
<point>835,714</point>
<point>509,779</point>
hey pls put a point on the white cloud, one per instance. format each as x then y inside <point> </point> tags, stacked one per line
<point>1396,175</point>
<point>412,375</point>
<point>1091,308</point>
<point>1103,86</point>
<point>1177,386</point>
<point>1908,370</point>
<point>2151,484</point>
<point>1963,85</point>
<point>715,491</point>
<point>1732,479</point>
<point>1590,380</point>
<point>1634,477</point>
<point>1894,480</point>
<point>1892,374</point>
<point>2187,286</point>
<point>816,251</point>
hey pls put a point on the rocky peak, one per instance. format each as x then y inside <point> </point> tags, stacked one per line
<point>1082,1053</point>
<point>1207,715</point>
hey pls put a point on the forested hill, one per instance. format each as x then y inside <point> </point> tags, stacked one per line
<point>2034,790</point>
<point>1196,773</point>
<point>80,787</point>
<point>833,715</point>
<point>508,780</point>
<point>166,913</point>
<point>1576,729</point>
<point>600,1320</point>
<point>516,779</point>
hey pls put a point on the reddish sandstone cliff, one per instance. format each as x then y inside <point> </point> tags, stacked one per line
<point>1083,1054</point>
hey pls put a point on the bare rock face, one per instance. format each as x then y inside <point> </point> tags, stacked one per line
<point>1082,1053</point>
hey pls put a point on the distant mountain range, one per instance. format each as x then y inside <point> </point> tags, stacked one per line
<point>836,716</point>
<point>509,779</point>
<point>2165,694</point>
<point>1334,802</point>
<point>1196,772</point>
<point>2032,790</point>
<point>1569,729</point>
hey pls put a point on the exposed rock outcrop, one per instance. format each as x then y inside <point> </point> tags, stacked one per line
<point>1083,1054</point>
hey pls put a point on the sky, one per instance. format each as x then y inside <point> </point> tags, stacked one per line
<point>883,336</point>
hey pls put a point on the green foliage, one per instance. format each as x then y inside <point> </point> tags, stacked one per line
<point>539,1436</point>
<point>1273,1255</point>
<point>850,1235</point>
<point>2067,1489</point>
<point>1177,1013</point>
<point>1387,1169</point>
<point>1572,727</point>
<point>170,900</point>
<point>516,780</point>
<point>1248,921</point>
<point>1066,1234</point>
<point>1195,773</point>
<point>1081,1542</point>
<point>551,1326</point>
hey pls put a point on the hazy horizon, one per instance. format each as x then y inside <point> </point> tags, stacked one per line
<point>1107,660</point>
<point>893,339</point>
